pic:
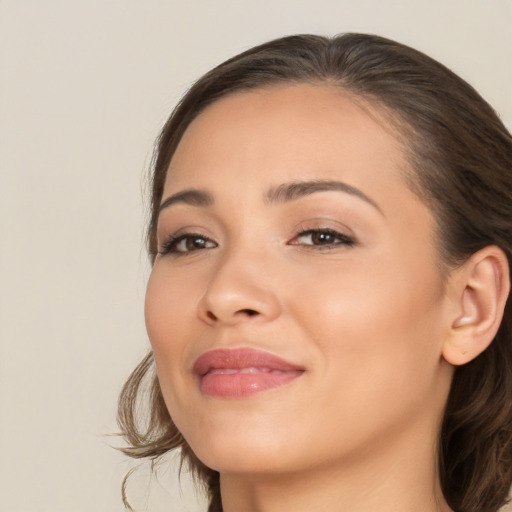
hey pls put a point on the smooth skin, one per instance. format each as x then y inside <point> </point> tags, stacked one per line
<point>343,280</point>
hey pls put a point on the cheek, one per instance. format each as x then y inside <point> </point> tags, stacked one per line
<point>375,316</point>
<point>378,338</point>
<point>157,306</point>
<point>168,314</point>
<point>170,317</point>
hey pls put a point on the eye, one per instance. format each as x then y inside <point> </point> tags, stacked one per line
<point>327,238</point>
<point>186,243</point>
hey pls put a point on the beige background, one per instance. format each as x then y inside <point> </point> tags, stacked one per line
<point>84,88</point>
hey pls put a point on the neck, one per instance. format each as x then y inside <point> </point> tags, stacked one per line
<point>392,479</point>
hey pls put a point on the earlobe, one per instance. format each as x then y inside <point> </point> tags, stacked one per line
<point>481,288</point>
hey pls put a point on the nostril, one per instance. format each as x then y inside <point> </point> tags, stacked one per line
<point>239,314</point>
<point>248,312</point>
<point>211,316</point>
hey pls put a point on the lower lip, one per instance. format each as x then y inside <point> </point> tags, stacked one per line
<point>241,385</point>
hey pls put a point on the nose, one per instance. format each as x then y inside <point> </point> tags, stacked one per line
<point>239,290</point>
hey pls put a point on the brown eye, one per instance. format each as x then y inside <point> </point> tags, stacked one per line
<point>322,237</point>
<point>193,244</point>
<point>187,243</point>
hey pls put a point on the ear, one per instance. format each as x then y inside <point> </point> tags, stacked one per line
<point>480,288</point>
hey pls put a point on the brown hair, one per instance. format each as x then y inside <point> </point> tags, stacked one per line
<point>461,155</point>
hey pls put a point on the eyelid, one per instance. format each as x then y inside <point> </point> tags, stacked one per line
<point>342,239</point>
<point>173,239</point>
<point>324,224</point>
<point>328,225</point>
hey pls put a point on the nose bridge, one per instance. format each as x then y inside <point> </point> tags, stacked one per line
<point>239,287</point>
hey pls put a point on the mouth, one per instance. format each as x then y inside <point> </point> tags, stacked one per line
<point>240,373</point>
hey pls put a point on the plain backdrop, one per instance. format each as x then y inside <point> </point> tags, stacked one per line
<point>84,89</point>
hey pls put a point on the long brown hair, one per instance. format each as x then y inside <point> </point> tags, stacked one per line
<point>461,156</point>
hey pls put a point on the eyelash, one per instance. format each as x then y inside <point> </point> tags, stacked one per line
<point>170,246</point>
<point>341,239</point>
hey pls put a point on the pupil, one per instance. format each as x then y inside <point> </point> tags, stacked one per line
<point>322,238</point>
<point>197,243</point>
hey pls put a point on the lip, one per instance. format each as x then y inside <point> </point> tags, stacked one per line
<point>240,373</point>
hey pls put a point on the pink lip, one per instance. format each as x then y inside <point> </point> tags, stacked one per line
<point>239,373</point>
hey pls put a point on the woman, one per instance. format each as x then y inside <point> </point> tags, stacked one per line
<point>331,238</point>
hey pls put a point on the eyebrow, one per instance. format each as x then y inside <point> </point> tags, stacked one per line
<point>297,189</point>
<point>191,196</point>
<point>281,194</point>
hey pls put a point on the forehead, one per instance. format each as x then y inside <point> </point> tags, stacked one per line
<point>287,132</point>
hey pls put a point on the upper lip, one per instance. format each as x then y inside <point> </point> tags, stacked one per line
<point>240,358</point>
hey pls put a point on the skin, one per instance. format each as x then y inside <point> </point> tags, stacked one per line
<point>367,320</point>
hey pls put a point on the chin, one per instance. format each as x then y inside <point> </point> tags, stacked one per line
<point>244,461</point>
<point>248,450</point>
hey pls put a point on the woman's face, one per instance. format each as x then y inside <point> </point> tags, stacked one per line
<point>296,308</point>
